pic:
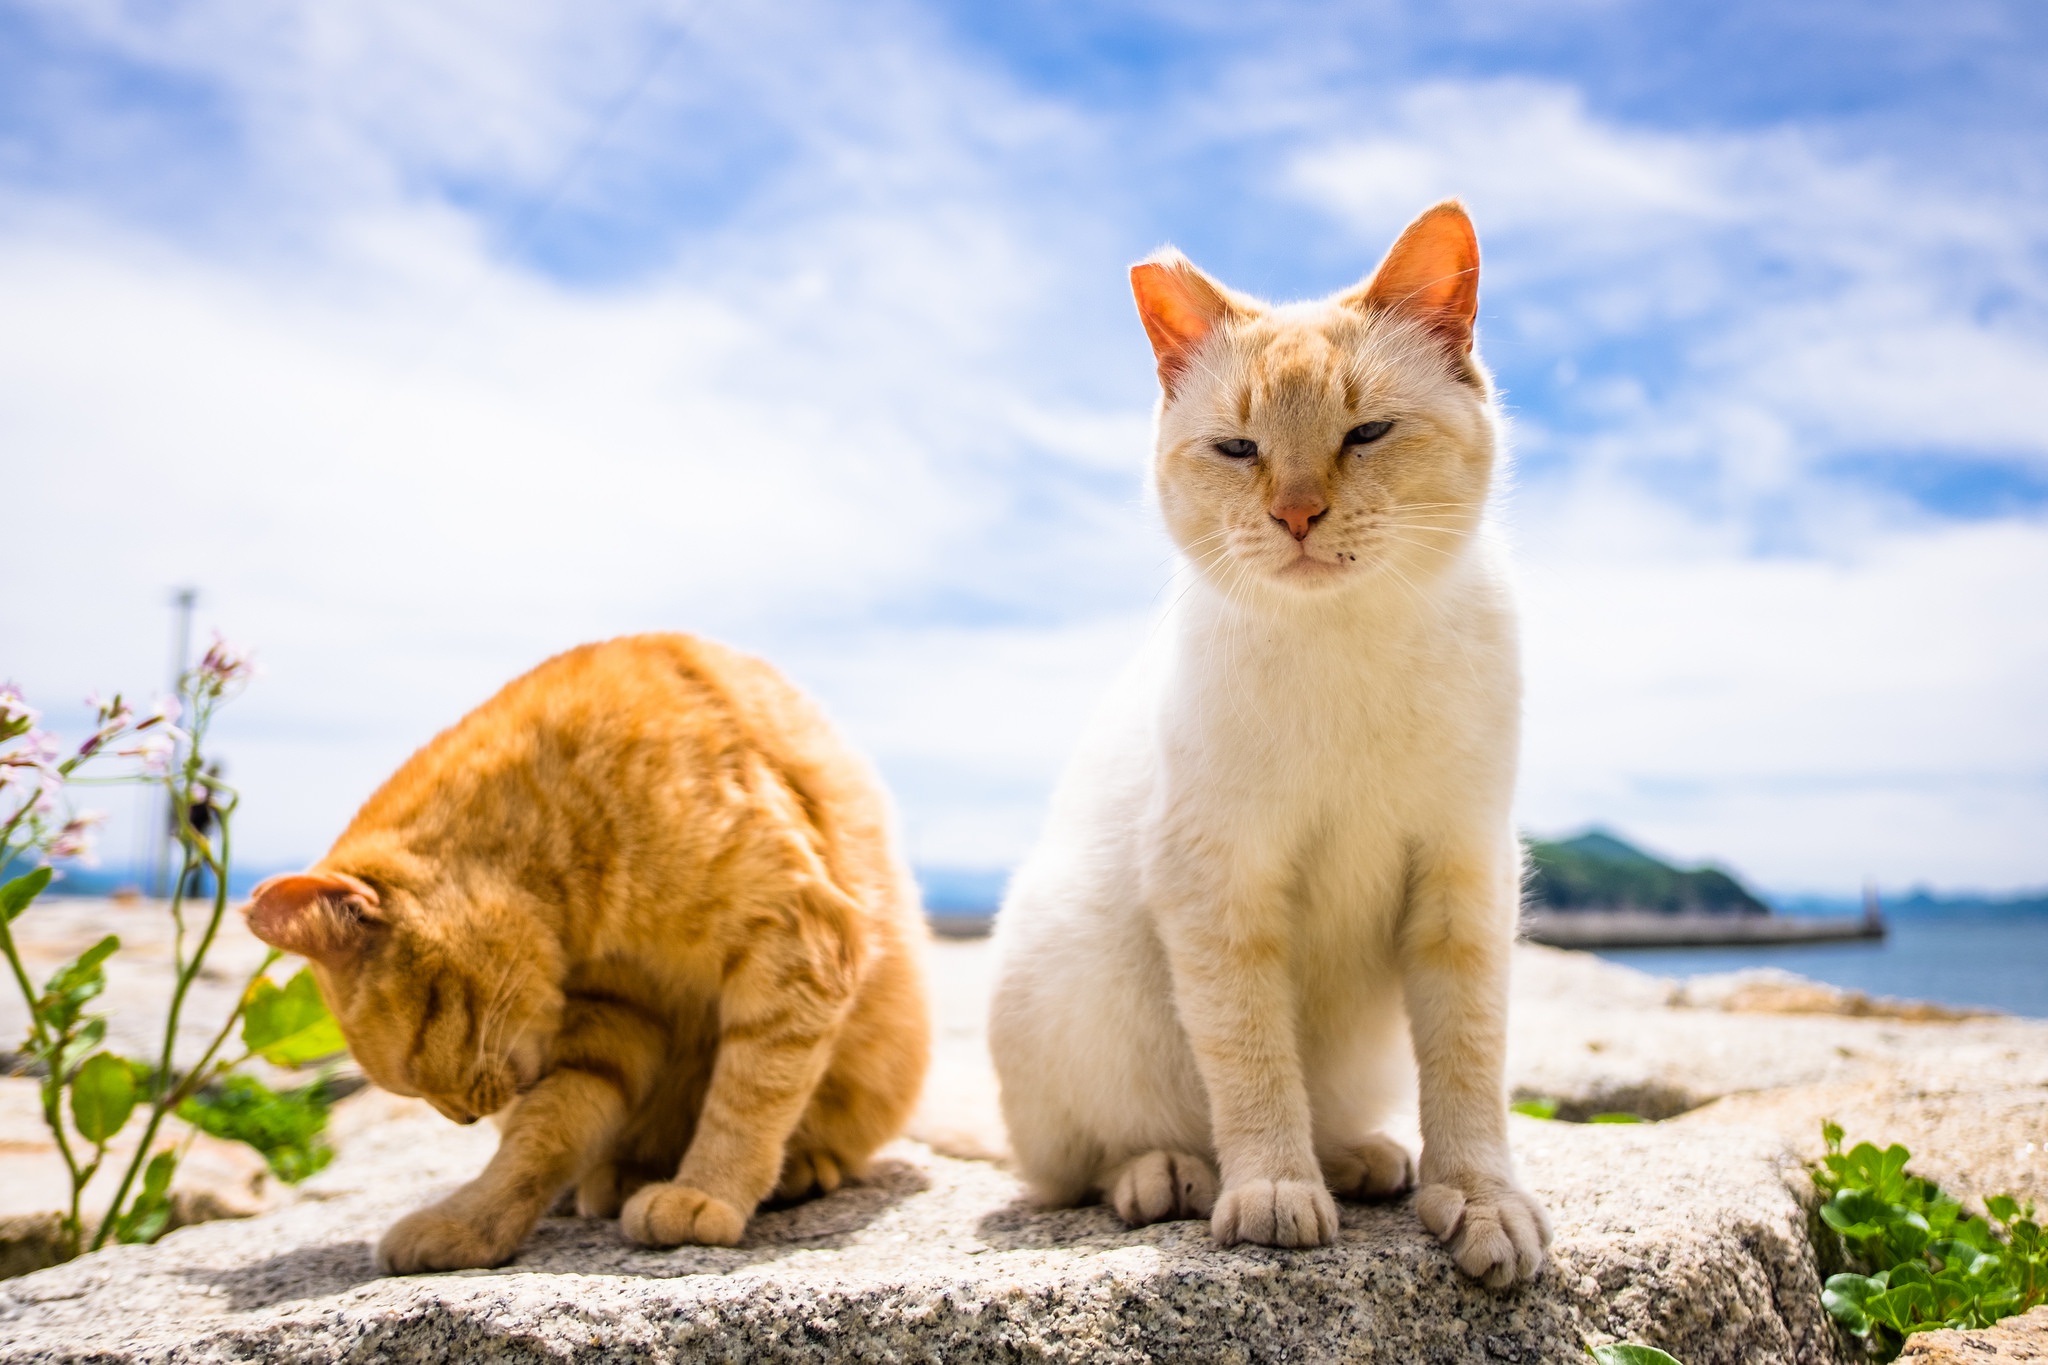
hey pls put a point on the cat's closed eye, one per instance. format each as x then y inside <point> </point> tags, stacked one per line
<point>1366,433</point>
<point>1237,448</point>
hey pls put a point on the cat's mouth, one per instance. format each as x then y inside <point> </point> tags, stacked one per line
<point>1309,567</point>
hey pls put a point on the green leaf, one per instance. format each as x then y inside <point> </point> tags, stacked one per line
<point>1831,1133</point>
<point>150,1213</point>
<point>70,1050</point>
<point>16,894</point>
<point>1910,1272</point>
<point>156,1178</point>
<point>102,1096</point>
<point>2003,1207</point>
<point>1844,1297</point>
<point>84,971</point>
<point>290,1025</point>
<point>1628,1353</point>
<point>1619,1118</point>
<point>284,1126</point>
<point>1535,1109</point>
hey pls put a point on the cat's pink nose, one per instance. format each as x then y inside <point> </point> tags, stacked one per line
<point>1298,512</point>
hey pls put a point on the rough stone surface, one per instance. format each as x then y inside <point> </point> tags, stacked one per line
<point>2015,1339</point>
<point>1700,1249</point>
<point>1691,1234</point>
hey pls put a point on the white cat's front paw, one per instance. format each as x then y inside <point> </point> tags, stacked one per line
<point>1374,1167</point>
<point>1157,1186</point>
<point>1493,1229</point>
<point>1276,1213</point>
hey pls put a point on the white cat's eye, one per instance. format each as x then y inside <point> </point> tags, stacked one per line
<point>1237,448</point>
<point>1367,433</point>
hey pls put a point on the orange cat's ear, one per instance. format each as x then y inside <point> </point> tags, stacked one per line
<point>1431,275</point>
<point>1179,306</point>
<point>325,916</point>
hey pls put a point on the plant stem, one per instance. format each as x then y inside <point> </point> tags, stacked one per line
<point>28,992</point>
<point>167,1095</point>
<point>197,1077</point>
<point>53,1116</point>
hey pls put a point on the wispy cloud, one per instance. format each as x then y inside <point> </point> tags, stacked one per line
<point>442,337</point>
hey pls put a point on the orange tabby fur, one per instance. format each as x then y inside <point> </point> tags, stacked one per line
<point>647,898</point>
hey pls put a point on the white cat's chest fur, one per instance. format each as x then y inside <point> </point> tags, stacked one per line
<point>1330,738</point>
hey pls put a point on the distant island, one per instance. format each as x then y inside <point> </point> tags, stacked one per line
<point>1598,871</point>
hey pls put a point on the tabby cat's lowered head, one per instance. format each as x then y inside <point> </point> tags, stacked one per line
<point>440,996</point>
<point>1319,447</point>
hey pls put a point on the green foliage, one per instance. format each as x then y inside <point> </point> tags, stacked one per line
<point>103,1095</point>
<point>15,896</point>
<point>1544,1107</point>
<point>283,1125</point>
<point>1628,1353</point>
<point>1597,871</point>
<point>1930,1265</point>
<point>65,995</point>
<point>289,1025</point>
<point>146,1218</point>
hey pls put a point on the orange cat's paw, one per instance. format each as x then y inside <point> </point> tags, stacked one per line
<point>810,1172</point>
<point>1494,1231</point>
<point>1374,1167</point>
<point>669,1214</point>
<point>431,1240</point>
<point>1157,1186</point>
<point>1276,1213</point>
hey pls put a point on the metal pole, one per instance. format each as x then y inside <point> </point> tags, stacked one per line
<point>183,600</point>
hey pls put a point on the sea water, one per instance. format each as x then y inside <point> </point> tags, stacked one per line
<point>1992,957</point>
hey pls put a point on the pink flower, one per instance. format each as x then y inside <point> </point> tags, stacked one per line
<point>167,707</point>
<point>156,750</point>
<point>75,839</point>
<point>16,715</point>
<point>113,715</point>
<point>222,664</point>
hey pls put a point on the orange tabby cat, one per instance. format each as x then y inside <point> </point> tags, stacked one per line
<point>648,899</point>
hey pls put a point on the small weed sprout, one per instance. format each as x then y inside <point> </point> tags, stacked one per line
<point>1927,1264</point>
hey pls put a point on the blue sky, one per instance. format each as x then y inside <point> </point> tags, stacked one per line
<point>429,338</point>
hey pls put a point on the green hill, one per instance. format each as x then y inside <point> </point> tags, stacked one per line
<point>1597,871</point>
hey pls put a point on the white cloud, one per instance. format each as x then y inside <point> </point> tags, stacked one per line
<point>1843,296</point>
<point>1813,719</point>
<point>404,469</point>
<point>853,418</point>
<point>1861,697</point>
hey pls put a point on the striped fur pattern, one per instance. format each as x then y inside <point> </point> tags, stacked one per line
<point>1279,881</point>
<point>646,907</point>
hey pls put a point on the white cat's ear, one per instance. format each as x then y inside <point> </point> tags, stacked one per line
<point>1431,274</point>
<point>1180,307</point>
<point>324,916</point>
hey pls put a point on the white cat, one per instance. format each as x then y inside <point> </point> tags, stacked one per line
<point>1284,847</point>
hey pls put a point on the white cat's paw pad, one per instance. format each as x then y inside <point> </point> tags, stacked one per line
<point>1495,1233</point>
<point>1375,1167</point>
<point>1161,1185</point>
<point>1276,1213</point>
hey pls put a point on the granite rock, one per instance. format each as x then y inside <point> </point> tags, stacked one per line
<point>1695,1242</point>
<point>2015,1339</point>
<point>1691,1235</point>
